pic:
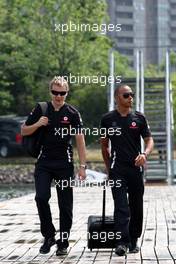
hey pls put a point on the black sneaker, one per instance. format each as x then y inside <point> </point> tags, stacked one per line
<point>48,243</point>
<point>61,251</point>
<point>121,250</point>
<point>62,248</point>
<point>133,247</point>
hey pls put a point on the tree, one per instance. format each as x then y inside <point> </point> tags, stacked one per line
<point>34,50</point>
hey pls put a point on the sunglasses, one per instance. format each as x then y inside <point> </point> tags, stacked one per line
<point>56,93</point>
<point>127,95</point>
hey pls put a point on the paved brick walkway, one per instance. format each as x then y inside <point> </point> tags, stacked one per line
<point>20,237</point>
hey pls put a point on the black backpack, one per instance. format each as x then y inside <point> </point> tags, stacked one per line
<point>32,143</point>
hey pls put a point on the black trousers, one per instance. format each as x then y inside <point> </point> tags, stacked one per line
<point>128,201</point>
<point>44,174</point>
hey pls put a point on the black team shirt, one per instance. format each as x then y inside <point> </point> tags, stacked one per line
<point>56,141</point>
<point>126,139</point>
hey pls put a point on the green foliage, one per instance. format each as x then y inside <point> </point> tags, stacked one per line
<point>33,50</point>
<point>173,81</point>
<point>173,59</point>
<point>153,71</point>
<point>6,101</point>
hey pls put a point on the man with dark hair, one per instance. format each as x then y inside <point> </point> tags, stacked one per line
<point>55,161</point>
<point>126,165</point>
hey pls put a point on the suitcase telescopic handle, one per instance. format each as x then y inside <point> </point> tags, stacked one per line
<point>104,203</point>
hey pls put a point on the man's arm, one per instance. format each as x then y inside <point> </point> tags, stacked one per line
<point>105,152</point>
<point>141,158</point>
<point>149,144</point>
<point>81,148</point>
<point>29,130</point>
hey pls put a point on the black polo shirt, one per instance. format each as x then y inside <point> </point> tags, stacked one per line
<point>125,135</point>
<point>56,141</point>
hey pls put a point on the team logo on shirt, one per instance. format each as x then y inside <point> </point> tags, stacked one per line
<point>133,125</point>
<point>65,120</point>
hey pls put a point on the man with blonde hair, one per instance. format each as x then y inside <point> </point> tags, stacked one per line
<point>55,161</point>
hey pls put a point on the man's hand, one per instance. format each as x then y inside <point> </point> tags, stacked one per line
<point>43,121</point>
<point>140,160</point>
<point>81,173</point>
<point>29,130</point>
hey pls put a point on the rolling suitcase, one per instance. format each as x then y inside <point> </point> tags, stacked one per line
<point>100,233</point>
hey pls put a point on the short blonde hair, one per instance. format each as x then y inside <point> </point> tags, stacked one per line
<point>60,81</point>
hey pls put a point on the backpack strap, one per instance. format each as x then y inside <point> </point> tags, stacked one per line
<point>44,107</point>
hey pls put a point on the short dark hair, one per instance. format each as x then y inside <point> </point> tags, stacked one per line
<point>116,91</point>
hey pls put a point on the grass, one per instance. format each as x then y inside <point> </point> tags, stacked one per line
<point>92,155</point>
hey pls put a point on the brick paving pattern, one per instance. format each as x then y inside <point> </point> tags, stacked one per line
<point>20,237</point>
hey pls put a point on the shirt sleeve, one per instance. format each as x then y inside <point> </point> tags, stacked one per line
<point>34,116</point>
<point>77,123</point>
<point>145,130</point>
